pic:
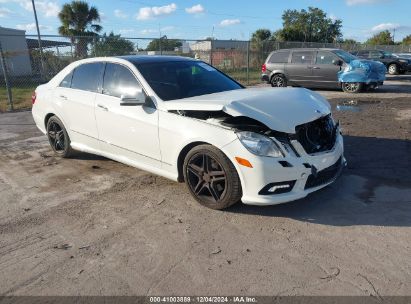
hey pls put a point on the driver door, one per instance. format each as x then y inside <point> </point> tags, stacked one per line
<point>325,71</point>
<point>129,132</point>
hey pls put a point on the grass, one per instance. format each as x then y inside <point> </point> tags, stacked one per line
<point>241,75</point>
<point>21,95</point>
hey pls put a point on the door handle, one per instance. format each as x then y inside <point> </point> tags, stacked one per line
<point>315,68</point>
<point>63,97</point>
<point>102,107</point>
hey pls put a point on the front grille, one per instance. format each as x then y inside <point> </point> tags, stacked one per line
<point>324,176</point>
<point>318,135</point>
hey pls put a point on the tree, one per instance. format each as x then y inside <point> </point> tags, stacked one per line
<point>381,38</point>
<point>407,40</point>
<point>112,45</point>
<point>349,41</point>
<point>166,44</point>
<point>311,26</point>
<point>78,21</point>
<point>260,38</point>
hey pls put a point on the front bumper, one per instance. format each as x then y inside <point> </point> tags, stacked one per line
<point>308,173</point>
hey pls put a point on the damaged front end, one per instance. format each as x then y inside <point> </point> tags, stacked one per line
<point>314,137</point>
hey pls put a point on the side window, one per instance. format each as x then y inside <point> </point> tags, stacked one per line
<point>66,82</point>
<point>375,54</point>
<point>302,57</point>
<point>363,54</point>
<point>87,76</point>
<point>279,57</point>
<point>118,80</point>
<point>324,57</point>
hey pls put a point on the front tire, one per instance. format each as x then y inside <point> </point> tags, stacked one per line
<point>352,87</point>
<point>393,69</point>
<point>211,177</point>
<point>58,137</point>
<point>278,81</point>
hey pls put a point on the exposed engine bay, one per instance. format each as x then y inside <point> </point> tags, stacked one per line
<point>315,136</point>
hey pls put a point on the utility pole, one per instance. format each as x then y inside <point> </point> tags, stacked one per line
<point>159,41</point>
<point>39,41</point>
<point>393,35</point>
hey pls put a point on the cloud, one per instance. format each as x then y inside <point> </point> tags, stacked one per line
<point>167,28</point>
<point>32,27</point>
<point>385,26</point>
<point>148,31</point>
<point>333,17</point>
<point>196,9</point>
<point>4,12</point>
<point>46,8</point>
<point>228,22</point>
<point>120,14</point>
<point>146,13</point>
<point>359,2</point>
<point>126,31</point>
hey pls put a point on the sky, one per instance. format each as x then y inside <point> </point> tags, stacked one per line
<point>222,19</point>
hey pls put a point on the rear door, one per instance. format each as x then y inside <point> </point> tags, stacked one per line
<point>76,95</point>
<point>324,71</point>
<point>299,70</point>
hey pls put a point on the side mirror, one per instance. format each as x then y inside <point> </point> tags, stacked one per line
<point>338,62</point>
<point>137,100</point>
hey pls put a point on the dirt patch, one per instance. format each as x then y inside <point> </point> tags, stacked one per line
<point>91,226</point>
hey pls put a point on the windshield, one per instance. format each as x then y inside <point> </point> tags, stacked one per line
<point>347,57</point>
<point>387,54</point>
<point>181,79</point>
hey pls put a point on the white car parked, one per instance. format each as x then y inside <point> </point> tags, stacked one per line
<point>183,119</point>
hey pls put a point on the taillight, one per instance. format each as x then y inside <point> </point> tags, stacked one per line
<point>33,97</point>
<point>263,68</point>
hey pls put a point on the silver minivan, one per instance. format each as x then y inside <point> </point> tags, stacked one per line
<point>316,68</point>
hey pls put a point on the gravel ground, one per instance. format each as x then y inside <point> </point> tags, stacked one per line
<point>91,226</point>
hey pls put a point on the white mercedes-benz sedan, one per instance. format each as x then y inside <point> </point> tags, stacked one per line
<point>185,120</point>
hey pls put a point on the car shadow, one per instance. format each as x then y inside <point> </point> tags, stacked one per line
<point>375,189</point>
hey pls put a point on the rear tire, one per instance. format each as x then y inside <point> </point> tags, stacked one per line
<point>211,177</point>
<point>58,137</point>
<point>278,81</point>
<point>393,69</point>
<point>352,87</point>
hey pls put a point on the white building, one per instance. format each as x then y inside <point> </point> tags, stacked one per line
<point>205,46</point>
<point>15,51</point>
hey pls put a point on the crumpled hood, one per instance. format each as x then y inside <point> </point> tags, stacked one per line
<point>280,109</point>
<point>362,70</point>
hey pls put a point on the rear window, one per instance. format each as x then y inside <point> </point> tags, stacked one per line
<point>304,57</point>
<point>279,57</point>
<point>66,82</point>
<point>87,76</point>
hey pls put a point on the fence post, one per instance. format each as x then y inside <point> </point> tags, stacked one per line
<point>6,78</point>
<point>248,62</point>
<point>211,51</point>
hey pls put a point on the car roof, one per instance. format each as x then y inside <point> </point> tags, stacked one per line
<point>137,59</point>
<point>309,49</point>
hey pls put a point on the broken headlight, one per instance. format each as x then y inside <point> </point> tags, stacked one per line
<point>259,144</point>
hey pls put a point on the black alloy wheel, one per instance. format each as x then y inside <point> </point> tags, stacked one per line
<point>211,177</point>
<point>58,137</point>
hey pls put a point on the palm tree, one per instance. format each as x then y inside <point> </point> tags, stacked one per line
<point>78,21</point>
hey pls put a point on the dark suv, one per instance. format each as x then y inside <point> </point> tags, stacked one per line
<point>395,65</point>
<point>321,68</point>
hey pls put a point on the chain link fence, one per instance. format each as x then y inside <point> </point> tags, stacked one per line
<point>23,65</point>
